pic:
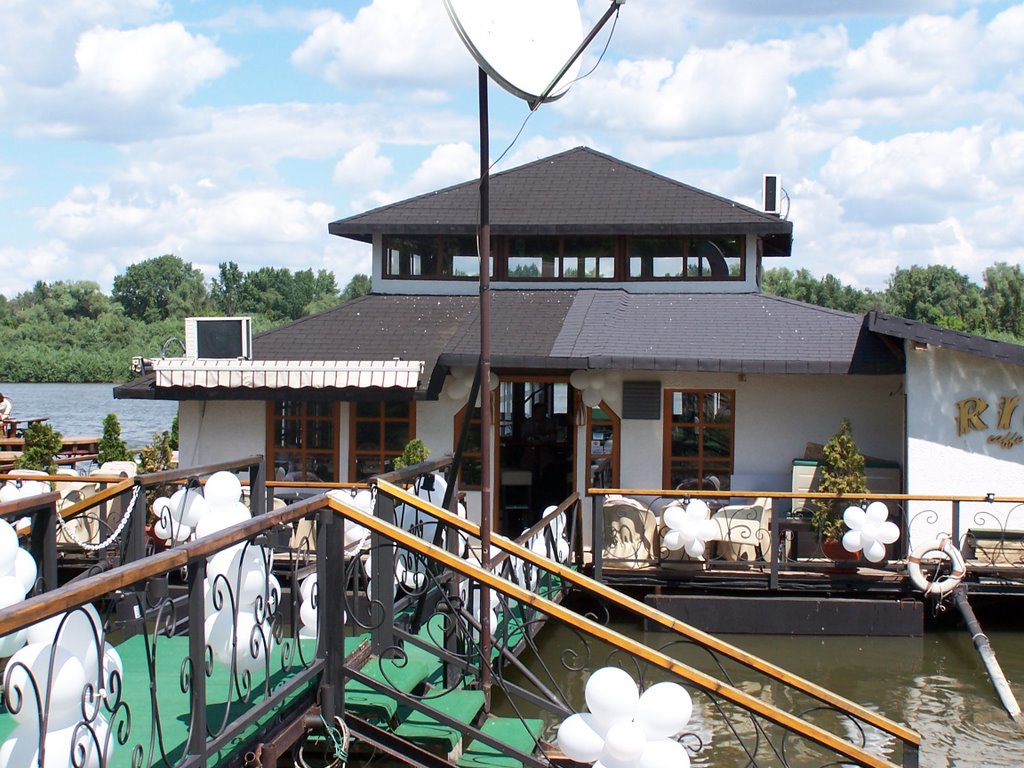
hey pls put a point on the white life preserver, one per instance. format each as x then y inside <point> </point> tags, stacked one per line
<point>948,582</point>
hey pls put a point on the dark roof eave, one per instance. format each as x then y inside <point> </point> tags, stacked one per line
<point>959,341</point>
<point>365,233</point>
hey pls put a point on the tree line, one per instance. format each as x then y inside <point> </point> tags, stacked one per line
<point>936,294</point>
<point>70,331</point>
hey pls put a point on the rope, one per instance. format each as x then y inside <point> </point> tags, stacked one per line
<point>67,530</point>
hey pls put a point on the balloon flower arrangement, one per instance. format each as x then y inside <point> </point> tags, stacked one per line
<point>625,729</point>
<point>870,530</point>
<point>688,527</point>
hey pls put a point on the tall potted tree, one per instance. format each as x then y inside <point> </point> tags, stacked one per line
<point>842,471</point>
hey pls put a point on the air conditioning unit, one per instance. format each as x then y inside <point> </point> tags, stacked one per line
<point>219,337</point>
<point>772,194</point>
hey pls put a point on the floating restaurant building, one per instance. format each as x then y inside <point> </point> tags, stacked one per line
<point>631,347</point>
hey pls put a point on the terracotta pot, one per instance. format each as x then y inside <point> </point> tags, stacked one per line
<point>834,550</point>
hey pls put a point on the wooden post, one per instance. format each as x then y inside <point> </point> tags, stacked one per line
<point>988,656</point>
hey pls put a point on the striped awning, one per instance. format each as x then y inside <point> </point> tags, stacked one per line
<point>286,374</point>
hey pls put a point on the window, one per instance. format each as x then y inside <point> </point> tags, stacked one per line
<point>603,446</point>
<point>471,472</point>
<point>379,432</point>
<point>698,438</point>
<point>560,258</point>
<point>695,258</point>
<point>302,442</point>
<point>431,257</point>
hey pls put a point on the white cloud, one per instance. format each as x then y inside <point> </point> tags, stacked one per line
<point>446,165</point>
<point>161,61</point>
<point>362,166</point>
<point>388,42</point>
<point>923,53</point>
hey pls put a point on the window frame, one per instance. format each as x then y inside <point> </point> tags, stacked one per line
<point>304,421</point>
<point>382,454</point>
<point>722,468</point>
<point>615,422</point>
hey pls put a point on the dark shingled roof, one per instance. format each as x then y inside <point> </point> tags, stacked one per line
<point>912,330</point>
<point>576,192</point>
<point>568,329</point>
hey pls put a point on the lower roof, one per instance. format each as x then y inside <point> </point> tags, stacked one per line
<point>566,330</point>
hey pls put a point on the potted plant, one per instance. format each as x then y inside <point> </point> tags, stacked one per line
<point>842,471</point>
<point>416,452</point>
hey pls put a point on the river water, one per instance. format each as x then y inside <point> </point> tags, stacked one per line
<point>935,684</point>
<point>79,410</point>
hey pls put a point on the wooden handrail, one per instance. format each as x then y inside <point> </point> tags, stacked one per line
<point>672,494</point>
<point>592,628</point>
<point>77,593</point>
<point>651,614</point>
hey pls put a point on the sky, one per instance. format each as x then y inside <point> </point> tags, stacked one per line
<point>220,131</point>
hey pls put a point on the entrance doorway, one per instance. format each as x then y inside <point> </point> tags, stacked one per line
<point>536,450</point>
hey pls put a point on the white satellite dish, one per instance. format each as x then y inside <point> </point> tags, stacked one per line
<point>522,44</point>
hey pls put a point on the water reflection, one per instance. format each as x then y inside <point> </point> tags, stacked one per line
<point>935,685</point>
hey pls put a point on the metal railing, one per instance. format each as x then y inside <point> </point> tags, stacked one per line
<point>218,660</point>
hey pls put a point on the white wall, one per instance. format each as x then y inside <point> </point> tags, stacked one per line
<point>219,430</point>
<point>775,418</point>
<point>941,462</point>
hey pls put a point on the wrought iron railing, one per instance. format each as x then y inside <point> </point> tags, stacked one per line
<point>770,532</point>
<point>222,644</point>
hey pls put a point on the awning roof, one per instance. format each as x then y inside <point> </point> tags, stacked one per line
<point>286,374</point>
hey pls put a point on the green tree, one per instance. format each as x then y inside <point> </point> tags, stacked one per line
<point>159,288</point>
<point>842,471</point>
<point>936,294</point>
<point>111,446</point>
<point>829,291</point>
<point>1004,299</point>
<point>42,444</point>
<point>224,288</point>
<point>359,285</point>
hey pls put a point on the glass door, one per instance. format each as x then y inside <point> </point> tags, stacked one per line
<point>536,442</point>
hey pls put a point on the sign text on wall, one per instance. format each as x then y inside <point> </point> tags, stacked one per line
<point>970,418</point>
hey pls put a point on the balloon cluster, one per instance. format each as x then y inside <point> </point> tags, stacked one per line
<point>240,591</point>
<point>870,530</point>
<point>688,527</point>
<point>18,573</point>
<point>458,384</point>
<point>624,729</point>
<point>67,672</point>
<point>593,386</point>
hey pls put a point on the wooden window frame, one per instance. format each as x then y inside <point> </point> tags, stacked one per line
<point>476,456</point>
<point>381,454</point>
<point>685,259</point>
<point>721,469</point>
<point>304,420</point>
<point>616,427</point>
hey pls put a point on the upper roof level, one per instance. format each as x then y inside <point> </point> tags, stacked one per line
<point>576,219</point>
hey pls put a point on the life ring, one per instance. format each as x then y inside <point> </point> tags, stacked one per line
<point>949,581</point>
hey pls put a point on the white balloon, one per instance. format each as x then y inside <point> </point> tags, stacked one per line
<point>592,397</point>
<point>8,492</point>
<point>196,508</point>
<point>222,489</point>
<point>308,614</point>
<point>877,513</point>
<point>664,710</point>
<point>22,747</point>
<point>875,551</point>
<point>625,742</point>
<point>611,695</point>
<point>11,643</point>
<point>854,518</point>
<point>578,739</point>
<point>664,753</point>
<point>698,509</point>
<point>81,634</point>
<point>887,532</point>
<point>852,541</point>
<point>161,505</point>
<point>579,379</point>
<point>307,586</point>
<point>29,668</point>
<point>695,548</point>
<point>222,518</point>
<point>8,542</point>
<point>674,515</point>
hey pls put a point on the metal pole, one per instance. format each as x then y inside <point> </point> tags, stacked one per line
<point>486,510</point>
<point>988,656</point>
